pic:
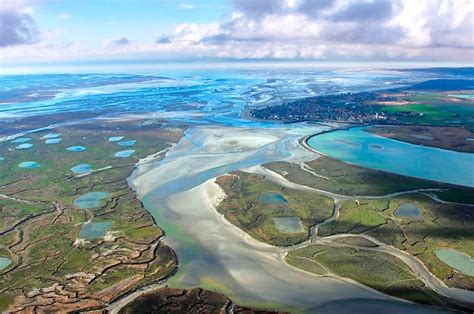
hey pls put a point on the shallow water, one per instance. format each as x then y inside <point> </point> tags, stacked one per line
<point>81,169</point>
<point>408,210</point>
<point>90,200</point>
<point>94,230</point>
<point>115,138</point>
<point>53,141</point>
<point>50,136</point>
<point>76,148</point>
<point>397,157</point>
<point>272,198</point>
<point>24,146</point>
<point>288,224</point>
<point>4,262</point>
<point>124,153</point>
<point>29,165</point>
<point>457,260</point>
<point>127,143</point>
<point>21,140</point>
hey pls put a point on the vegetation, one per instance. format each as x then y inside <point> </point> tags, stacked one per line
<point>52,269</point>
<point>243,208</point>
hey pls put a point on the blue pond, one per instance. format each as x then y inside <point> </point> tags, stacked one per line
<point>90,200</point>
<point>397,157</point>
<point>115,138</point>
<point>76,148</point>
<point>4,262</point>
<point>93,230</point>
<point>50,135</point>
<point>127,143</point>
<point>408,210</point>
<point>24,146</point>
<point>81,169</point>
<point>457,260</point>
<point>21,140</point>
<point>53,141</point>
<point>272,198</point>
<point>124,153</point>
<point>29,165</point>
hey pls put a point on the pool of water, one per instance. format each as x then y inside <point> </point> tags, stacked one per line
<point>24,146</point>
<point>90,200</point>
<point>127,143</point>
<point>53,141</point>
<point>21,140</point>
<point>457,260</point>
<point>94,230</point>
<point>396,157</point>
<point>124,153</point>
<point>76,148</point>
<point>272,198</point>
<point>464,96</point>
<point>1,158</point>
<point>50,135</point>
<point>408,210</point>
<point>288,224</point>
<point>115,138</point>
<point>29,165</point>
<point>81,169</point>
<point>4,262</point>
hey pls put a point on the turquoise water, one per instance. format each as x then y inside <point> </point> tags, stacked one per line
<point>1,158</point>
<point>50,135</point>
<point>82,168</point>
<point>21,140</point>
<point>4,262</point>
<point>76,148</point>
<point>93,230</point>
<point>457,260</point>
<point>288,224</point>
<point>115,138</point>
<point>53,141</point>
<point>465,96</point>
<point>127,143</point>
<point>397,157</point>
<point>408,210</point>
<point>272,198</point>
<point>90,200</point>
<point>29,165</point>
<point>124,153</point>
<point>24,146</point>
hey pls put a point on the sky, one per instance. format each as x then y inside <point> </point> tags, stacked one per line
<point>35,31</point>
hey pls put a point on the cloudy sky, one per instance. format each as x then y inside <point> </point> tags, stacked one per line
<point>322,30</point>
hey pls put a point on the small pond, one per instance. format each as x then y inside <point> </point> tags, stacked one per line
<point>457,260</point>
<point>53,141</point>
<point>90,200</point>
<point>50,135</point>
<point>29,165</point>
<point>288,224</point>
<point>124,153</point>
<point>21,140</point>
<point>4,262</point>
<point>81,169</point>
<point>24,146</point>
<point>115,138</point>
<point>127,143</point>
<point>272,198</point>
<point>408,210</point>
<point>93,230</point>
<point>76,148</point>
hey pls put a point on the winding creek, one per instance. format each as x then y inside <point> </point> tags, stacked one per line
<point>180,194</point>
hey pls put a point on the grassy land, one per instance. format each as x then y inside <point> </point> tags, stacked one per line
<point>338,177</point>
<point>39,224</point>
<point>377,270</point>
<point>440,226</point>
<point>243,208</point>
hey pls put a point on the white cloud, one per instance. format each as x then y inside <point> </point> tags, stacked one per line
<point>187,6</point>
